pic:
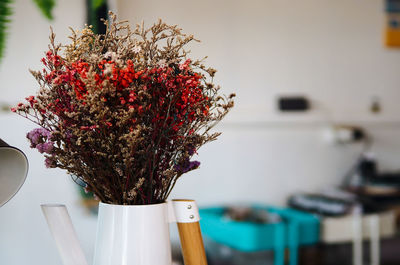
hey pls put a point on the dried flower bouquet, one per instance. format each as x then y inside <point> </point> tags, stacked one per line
<point>125,111</point>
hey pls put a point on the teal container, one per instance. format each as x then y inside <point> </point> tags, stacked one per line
<point>307,225</point>
<point>296,228</point>
<point>243,236</point>
<point>302,229</point>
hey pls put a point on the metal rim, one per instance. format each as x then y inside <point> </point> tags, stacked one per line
<point>4,145</point>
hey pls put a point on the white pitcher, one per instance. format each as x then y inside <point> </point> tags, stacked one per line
<point>131,234</point>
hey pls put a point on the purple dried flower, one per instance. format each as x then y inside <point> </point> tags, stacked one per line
<point>48,163</point>
<point>187,166</point>
<point>36,135</point>
<point>191,150</point>
<point>40,138</point>
<point>45,147</point>
<point>68,135</point>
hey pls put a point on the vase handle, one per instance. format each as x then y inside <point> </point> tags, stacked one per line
<point>186,214</point>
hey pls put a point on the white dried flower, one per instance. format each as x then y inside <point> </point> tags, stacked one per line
<point>107,69</point>
<point>162,63</point>
<point>110,55</point>
<point>132,193</point>
<point>137,49</point>
<point>119,171</point>
<point>94,56</point>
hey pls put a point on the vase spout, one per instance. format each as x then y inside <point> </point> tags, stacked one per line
<point>61,228</point>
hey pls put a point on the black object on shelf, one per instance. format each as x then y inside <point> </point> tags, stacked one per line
<point>290,103</point>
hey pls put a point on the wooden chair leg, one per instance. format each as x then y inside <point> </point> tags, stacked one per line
<point>187,219</point>
<point>192,244</point>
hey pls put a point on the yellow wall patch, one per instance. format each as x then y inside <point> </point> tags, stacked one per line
<point>392,29</point>
<point>392,32</point>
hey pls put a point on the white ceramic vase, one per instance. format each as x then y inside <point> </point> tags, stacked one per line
<point>133,235</point>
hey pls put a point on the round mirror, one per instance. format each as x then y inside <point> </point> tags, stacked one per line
<point>13,171</point>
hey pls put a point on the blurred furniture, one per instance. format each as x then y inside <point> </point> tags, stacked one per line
<point>357,228</point>
<point>342,253</point>
<point>348,218</point>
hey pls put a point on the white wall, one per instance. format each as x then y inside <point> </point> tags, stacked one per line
<point>329,50</point>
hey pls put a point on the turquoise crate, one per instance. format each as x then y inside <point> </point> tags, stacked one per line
<point>297,228</point>
<point>243,236</point>
<point>302,229</point>
<point>308,225</point>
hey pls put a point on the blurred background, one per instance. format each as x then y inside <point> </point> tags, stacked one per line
<point>317,108</point>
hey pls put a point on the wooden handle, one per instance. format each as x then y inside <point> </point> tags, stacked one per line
<point>192,244</point>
